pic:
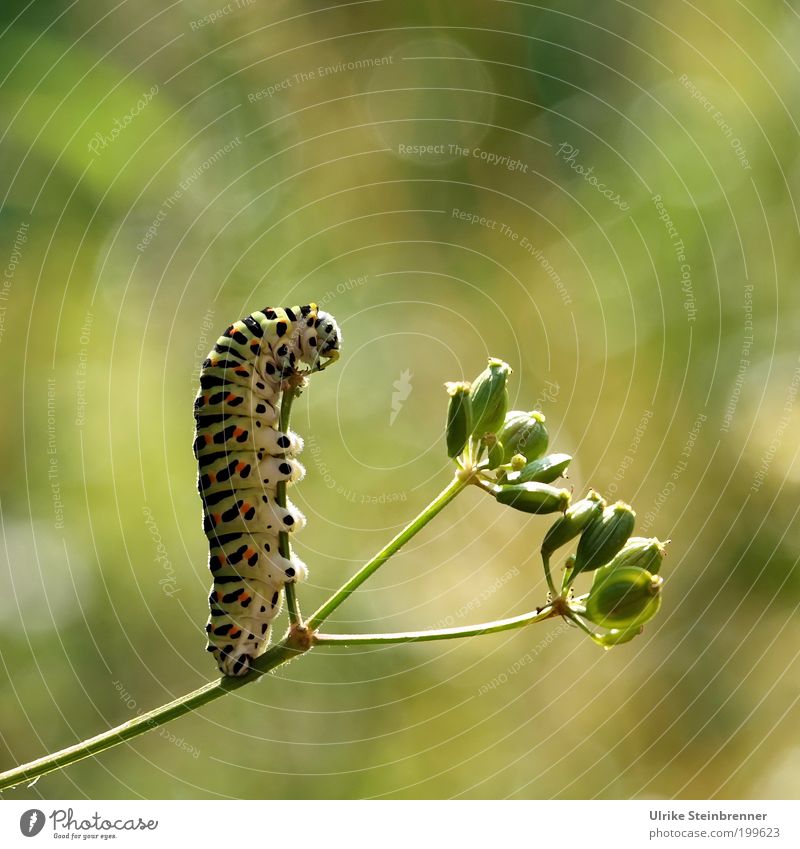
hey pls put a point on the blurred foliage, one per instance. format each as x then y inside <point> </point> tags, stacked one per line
<point>271,166</point>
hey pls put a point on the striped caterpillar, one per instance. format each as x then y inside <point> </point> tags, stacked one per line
<point>242,456</point>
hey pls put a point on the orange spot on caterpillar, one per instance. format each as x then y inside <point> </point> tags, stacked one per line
<point>238,432</point>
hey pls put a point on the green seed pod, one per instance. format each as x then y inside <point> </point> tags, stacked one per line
<point>489,398</point>
<point>459,418</point>
<point>637,551</point>
<point>577,517</point>
<point>533,497</point>
<point>604,537</point>
<point>524,433</point>
<point>545,469</point>
<point>626,598</point>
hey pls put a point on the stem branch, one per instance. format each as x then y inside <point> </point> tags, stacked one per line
<point>548,575</point>
<point>539,615</point>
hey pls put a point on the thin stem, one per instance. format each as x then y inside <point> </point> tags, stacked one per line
<point>292,604</point>
<point>279,653</point>
<point>546,562</point>
<point>284,546</point>
<point>486,486</point>
<point>521,621</point>
<point>573,617</point>
<point>341,595</point>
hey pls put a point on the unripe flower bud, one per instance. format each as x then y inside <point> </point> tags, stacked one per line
<point>604,537</point>
<point>573,522</point>
<point>533,497</point>
<point>459,418</point>
<point>569,565</point>
<point>626,597</point>
<point>518,462</point>
<point>524,433</point>
<point>489,398</point>
<point>545,469</point>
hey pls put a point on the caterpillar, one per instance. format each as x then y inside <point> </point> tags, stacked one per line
<point>242,456</point>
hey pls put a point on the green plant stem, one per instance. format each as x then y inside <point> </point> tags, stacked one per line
<point>284,546</point>
<point>546,612</point>
<point>573,617</point>
<point>414,527</point>
<point>279,653</point>
<point>550,584</point>
<point>292,605</point>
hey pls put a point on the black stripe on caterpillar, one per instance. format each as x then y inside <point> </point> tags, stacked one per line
<point>242,456</point>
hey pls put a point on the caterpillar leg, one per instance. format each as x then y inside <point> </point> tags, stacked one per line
<point>300,569</point>
<point>231,663</point>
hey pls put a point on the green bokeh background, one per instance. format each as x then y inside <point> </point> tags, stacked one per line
<point>672,380</point>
